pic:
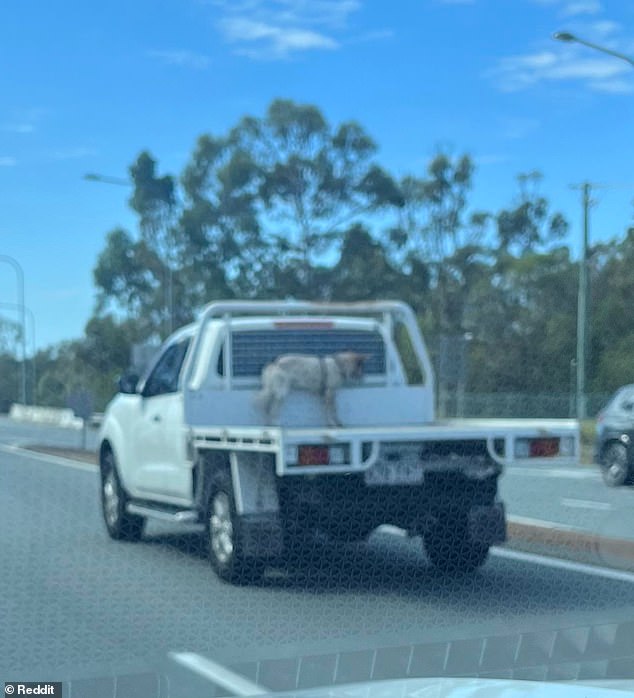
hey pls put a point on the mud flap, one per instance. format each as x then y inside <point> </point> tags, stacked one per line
<point>487,524</point>
<point>256,500</point>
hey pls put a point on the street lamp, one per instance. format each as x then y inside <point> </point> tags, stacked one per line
<point>93,177</point>
<point>29,312</point>
<point>121,181</point>
<point>569,38</point>
<point>19,274</point>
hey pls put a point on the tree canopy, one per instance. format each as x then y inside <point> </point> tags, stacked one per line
<point>289,205</point>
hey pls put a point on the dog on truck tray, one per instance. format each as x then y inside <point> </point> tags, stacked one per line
<point>321,375</point>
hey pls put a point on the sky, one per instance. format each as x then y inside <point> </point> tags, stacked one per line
<point>86,86</point>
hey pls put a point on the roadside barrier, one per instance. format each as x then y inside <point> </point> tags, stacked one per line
<point>61,417</point>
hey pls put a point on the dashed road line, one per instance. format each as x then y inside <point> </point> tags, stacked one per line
<point>585,504</point>
<point>218,674</point>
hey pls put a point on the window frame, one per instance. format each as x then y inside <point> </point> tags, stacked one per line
<point>184,345</point>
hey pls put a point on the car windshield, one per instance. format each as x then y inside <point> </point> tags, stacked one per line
<point>400,239</point>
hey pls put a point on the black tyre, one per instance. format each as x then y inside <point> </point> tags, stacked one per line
<point>614,465</point>
<point>449,549</point>
<point>119,523</point>
<point>225,537</point>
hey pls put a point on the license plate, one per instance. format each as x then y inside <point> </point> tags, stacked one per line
<point>386,473</point>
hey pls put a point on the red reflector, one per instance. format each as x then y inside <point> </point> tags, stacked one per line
<point>313,455</point>
<point>544,448</point>
<point>282,325</point>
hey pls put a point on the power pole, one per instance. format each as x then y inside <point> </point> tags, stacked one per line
<point>582,302</point>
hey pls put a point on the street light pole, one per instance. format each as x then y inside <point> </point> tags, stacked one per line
<point>19,273</point>
<point>93,177</point>
<point>169,300</point>
<point>29,312</point>
<point>569,38</point>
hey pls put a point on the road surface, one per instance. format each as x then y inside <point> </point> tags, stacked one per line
<point>74,603</point>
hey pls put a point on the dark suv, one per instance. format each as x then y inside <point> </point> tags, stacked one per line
<point>614,449</point>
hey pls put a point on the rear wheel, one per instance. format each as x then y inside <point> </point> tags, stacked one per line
<point>225,538</point>
<point>614,465</point>
<point>119,523</point>
<point>450,550</point>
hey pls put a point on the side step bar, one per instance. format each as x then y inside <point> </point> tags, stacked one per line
<point>184,516</point>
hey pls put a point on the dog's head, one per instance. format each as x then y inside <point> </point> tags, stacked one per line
<point>351,364</point>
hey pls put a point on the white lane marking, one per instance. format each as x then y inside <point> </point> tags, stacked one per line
<point>568,565</point>
<point>55,460</point>
<point>218,674</point>
<point>571,474</point>
<point>585,504</point>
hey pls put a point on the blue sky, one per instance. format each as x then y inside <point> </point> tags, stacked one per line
<point>86,86</point>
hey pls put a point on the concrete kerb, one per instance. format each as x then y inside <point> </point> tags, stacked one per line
<point>601,550</point>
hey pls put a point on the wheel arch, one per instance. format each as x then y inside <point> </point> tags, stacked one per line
<point>621,439</point>
<point>208,463</point>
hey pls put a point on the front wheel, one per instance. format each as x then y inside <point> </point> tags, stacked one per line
<point>119,523</point>
<point>450,550</point>
<point>614,465</point>
<point>225,538</point>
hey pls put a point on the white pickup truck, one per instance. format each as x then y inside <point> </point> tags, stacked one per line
<point>187,443</point>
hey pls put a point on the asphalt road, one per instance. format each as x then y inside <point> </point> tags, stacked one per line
<point>73,602</point>
<point>576,497</point>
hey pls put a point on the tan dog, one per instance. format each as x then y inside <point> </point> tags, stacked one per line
<point>319,375</point>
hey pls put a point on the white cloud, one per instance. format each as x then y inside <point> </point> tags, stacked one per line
<point>23,121</point>
<point>7,161</point>
<point>615,86</point>
<point>273,41</point>
<point>604,27</point>
<point>181,58</point>
<point>597,73</point>
<point>581,7</point>
<point>276,29</point>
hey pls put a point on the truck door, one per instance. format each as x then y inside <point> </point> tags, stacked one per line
<point>159,440</point>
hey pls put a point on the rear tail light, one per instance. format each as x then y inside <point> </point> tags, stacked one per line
<point>313,455</point>
<point>537,448</point>
<point>317,454</point>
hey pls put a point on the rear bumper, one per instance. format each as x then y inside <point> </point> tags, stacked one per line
<point>487,524</point>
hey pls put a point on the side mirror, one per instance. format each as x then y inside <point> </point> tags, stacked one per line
<point>127,383</point>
